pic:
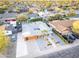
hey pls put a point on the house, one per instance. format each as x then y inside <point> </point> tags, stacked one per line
<point>34,30</point>
<point>62,26</point>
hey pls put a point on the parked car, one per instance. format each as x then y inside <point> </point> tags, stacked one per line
<point>70,37</point>
<point>19,27</point>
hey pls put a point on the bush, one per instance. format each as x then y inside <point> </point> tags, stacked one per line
<point>35,19</point>
<point>4,7</point>
<point>72,14</point>
<point>1,11</point>
<point>1,23</point>
<point>10,11</point>
<point>57,17</point>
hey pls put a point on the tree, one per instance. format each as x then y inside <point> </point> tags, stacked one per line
<point>21,17</point>
<point>48,4</point>
<point>4,41</point>
<point>75,27</point>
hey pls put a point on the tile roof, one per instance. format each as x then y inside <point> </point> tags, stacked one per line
<point>62,26</point>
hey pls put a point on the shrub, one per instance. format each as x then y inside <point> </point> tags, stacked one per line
<point>1,11</point>
<point>35,19</point>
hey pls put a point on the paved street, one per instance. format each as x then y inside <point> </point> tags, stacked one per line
<point>68,53</point>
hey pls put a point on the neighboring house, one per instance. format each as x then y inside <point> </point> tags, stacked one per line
<point>62,26</point>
